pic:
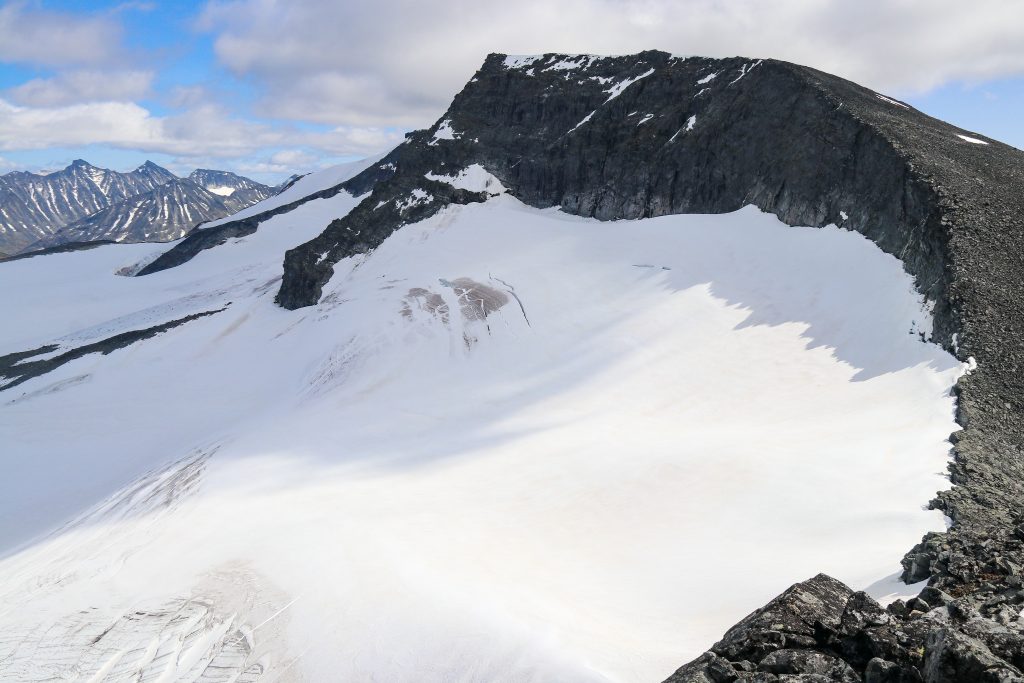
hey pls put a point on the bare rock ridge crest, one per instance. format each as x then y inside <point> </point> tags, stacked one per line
<point>651,134</point>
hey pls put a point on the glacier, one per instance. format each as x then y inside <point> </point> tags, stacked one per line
<point>509,443</point>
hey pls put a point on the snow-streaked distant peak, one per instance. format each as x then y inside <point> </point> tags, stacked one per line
<point>303,187</point>
<point>222,191</point>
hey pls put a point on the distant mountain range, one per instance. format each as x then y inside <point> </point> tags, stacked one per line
<point>84,203</point>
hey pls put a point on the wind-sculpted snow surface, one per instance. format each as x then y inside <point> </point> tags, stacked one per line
<point>507,444</point>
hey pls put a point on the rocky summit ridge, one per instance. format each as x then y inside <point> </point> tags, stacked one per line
<point>652,134</point>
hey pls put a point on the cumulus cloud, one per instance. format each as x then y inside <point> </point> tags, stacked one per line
<point>72,87</point>
<point>203,131</point>
<point>188,96</point>
<point>206,130</point>
<point>398,62</point>
<point>293,158</point>
<point>39,37</point>
<point>355,139</point>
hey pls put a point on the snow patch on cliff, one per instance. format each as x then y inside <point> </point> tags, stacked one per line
<point>619,87</point>
<point>474,178</point>
<point>968,138</point>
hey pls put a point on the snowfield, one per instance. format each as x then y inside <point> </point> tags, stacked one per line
<point>510,444</point>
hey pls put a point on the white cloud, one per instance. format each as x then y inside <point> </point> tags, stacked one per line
<point>206,131</point>
<point>261,168</point>
<point>398,62</point>
<point>82,124</point>
<point>72,87</point>
<point>293,158</point>
<point>188,96</point>
<point>347,140</point>
<point>34,36</point>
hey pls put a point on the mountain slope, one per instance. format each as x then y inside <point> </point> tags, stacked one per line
<point>84,203</point>
<point>242,191</point>
<point>650,134</point>
<point>323,184</point>
<point>163,214</point>
<point>482,438</point>
<point>33,206</point>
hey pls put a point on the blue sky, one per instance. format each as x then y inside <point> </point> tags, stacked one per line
<point>992,107</point>
<point>269,87</point>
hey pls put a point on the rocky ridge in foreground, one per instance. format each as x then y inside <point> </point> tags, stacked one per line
<point>652,134</point>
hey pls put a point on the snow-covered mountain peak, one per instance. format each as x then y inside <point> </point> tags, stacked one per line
<point>226,183</point>
<point>72,205</point>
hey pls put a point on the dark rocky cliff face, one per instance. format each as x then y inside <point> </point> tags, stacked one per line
<point>651,134</point>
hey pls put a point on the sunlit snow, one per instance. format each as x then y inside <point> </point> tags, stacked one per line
<point>509,444</point>
<point>444,132</point>
<point>968,138</point>
<point>474,178</point>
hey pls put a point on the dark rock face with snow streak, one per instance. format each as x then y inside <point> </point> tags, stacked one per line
<point>651,134</point>
<point>34,206</point>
